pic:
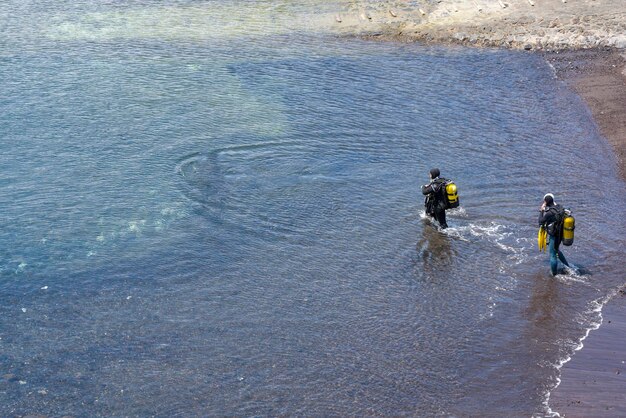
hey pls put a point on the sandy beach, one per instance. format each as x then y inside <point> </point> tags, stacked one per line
<point>585,43</point>
<point>594,382</point>
<point>598,76</point>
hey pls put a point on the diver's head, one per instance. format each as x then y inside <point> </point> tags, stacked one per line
<point>434,173</point>
<point>549,199</point>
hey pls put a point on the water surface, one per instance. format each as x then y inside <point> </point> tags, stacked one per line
<point>206,221</point>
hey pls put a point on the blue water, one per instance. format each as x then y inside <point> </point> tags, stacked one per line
<point>230,223</point>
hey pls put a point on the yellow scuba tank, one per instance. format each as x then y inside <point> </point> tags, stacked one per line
<point>568,229</point>
<point>451,194</point>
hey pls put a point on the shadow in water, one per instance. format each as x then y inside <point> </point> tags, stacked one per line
<point>435,249</point>
<point>543,303</point>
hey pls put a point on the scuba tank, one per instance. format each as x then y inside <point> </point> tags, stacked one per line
<point>451,195</point>
<point>568,229</point>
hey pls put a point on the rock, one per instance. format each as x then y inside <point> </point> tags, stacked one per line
<point>528,47</point>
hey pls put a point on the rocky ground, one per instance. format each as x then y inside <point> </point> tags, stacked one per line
<point>528,24</point>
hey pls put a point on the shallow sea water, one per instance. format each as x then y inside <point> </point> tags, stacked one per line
<point>210,209</point>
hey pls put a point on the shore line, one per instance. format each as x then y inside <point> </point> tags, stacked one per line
<point>564,402</point>
<point>594,385</point>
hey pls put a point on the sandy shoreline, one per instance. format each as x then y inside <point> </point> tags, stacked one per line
<point>585,42</point>
<point>598,76</point>
<point>594,382</point>
<point>527,24</point>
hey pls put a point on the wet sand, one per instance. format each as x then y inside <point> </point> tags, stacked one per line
<point>593,383</point>
<point>599,77</point>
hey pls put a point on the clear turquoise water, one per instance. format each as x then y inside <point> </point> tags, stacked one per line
<point>226,220</point>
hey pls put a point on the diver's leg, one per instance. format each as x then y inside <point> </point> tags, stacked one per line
<point>553,257</point>
<point>441,218</point>
<point>562,258</point>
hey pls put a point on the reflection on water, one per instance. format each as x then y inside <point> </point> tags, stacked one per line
<point>436,249</point>
<point>198,220</point>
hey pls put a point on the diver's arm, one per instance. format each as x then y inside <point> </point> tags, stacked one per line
<point>544,216</point>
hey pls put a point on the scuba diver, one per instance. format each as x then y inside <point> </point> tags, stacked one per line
<point>551,221</point>
<point>440,195</point>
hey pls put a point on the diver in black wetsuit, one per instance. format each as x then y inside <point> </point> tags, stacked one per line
<point>435,201</point>
<point>548,217</point>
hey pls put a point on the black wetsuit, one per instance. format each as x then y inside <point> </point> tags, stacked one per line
<point>547,217</point>
<point>435,202</point>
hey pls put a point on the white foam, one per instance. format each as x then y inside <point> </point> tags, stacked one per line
<point>494,233</point>
<point>21,267</point>
<point>572,274</point>
<point>459,212</point>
